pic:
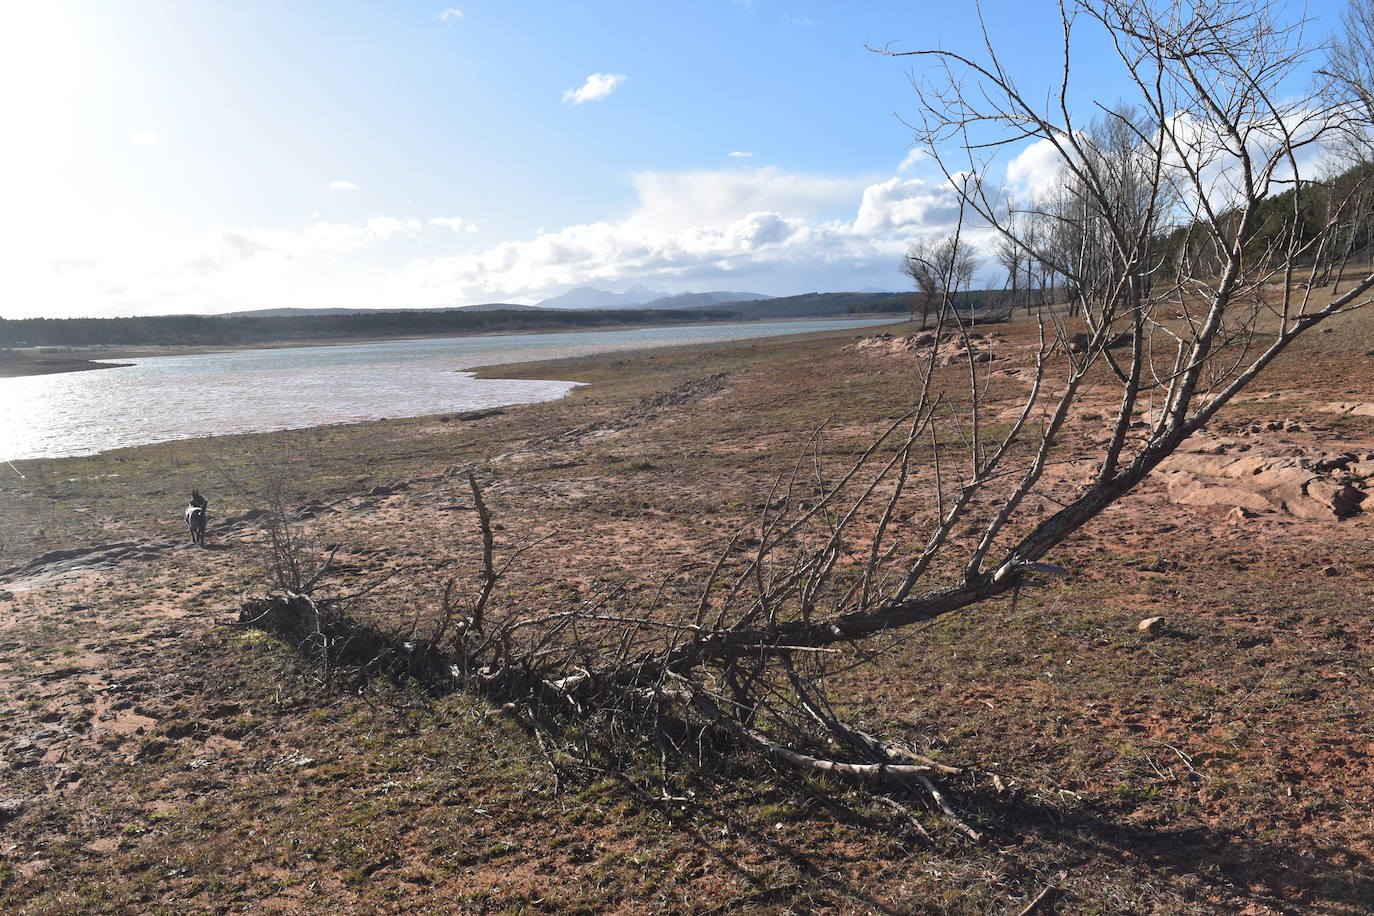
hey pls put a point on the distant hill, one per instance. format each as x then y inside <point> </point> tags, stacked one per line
<point>584,297</point>
<point>587,297</point>
<point>700,300</point>
<point>817,305</point>
<point>983,304</point>
<point>222,330</point>
<point>299,312</point>
<point>305,312</point>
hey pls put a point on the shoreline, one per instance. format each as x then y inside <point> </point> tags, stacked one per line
<point>584,371</point>
<point>25,366</point>
<point>60,359</point>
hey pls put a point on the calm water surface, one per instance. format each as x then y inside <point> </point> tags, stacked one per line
<point>179,397</point>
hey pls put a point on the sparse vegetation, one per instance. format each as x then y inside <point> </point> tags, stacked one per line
<point>1057,698</point>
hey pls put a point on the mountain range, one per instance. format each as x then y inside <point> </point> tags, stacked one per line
<point>587,297</point>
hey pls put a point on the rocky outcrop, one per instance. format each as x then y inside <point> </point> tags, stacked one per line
<point>1304,486</point>
<point>1351,408</point>
<point>950,347</point>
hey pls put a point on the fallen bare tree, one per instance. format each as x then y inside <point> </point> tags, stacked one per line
<point>1177,303</point>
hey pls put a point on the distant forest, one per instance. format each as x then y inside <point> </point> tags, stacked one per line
<point>984,304</point>
<point>249,329</point>
<point>217,330</point>
<point>231,330</point>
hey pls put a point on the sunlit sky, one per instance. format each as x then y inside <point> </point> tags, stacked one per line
<point>189,156</point>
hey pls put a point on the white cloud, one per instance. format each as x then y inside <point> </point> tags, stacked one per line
<point>145,137</point>
<point>913,157</point>
<point>736,227</point>
<point>766,229</point>
<point>597,86</point>
<point>456,223</point>
<point>800,22</point>
<point>228,245</point>
<point>1210,151</point>
<point>342,185</point>
<point>228,267</point>
<point>672,201</point>
<point>1037,170</point>
<point>450,15</point>
<point>740,155</point>
<point>706,227</point>
<point>908,204</point>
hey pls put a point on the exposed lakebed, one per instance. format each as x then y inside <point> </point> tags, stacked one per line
<point>163,398</point>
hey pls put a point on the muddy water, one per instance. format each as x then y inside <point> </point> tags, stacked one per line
<point>178,397</point>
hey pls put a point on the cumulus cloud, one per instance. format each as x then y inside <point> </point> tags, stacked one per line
<point>906,204</point>
<point>704,227</point>
<point>597,86</point>
<point>450,15</point>
<point>1209,150</point>
<point>738,227</point>
<point>913,157</point>
<point>342,185</point>
<point>671,201</point>
<point>735,227</point>
<point>1037,170</point>
<point>229,245</point>
<point>456,223</point>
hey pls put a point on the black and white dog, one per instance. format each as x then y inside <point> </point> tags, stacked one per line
<point>195,523</point>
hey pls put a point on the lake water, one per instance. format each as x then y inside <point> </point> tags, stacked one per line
<point>179,397</point>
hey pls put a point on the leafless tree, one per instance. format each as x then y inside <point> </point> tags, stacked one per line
<point>1347,87</point>
<point>939,269</point>
<point>1113,196</point>
<point>1038,275</point>
<point>1011,258</point>
<point>1349,68</point>
<point>952,505</point>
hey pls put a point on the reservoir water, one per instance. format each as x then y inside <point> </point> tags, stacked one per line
<point>179,397</point>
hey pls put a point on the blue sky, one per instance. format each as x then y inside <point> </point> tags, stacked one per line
<point>196,156</point>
